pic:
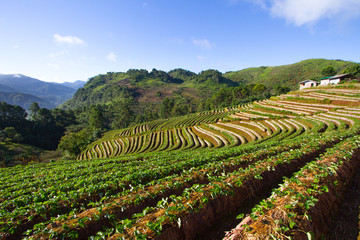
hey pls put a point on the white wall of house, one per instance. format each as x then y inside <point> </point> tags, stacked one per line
<point>307,85</point>
<point>330,81</point>
<point>325,82</point>
<point>335,81</point>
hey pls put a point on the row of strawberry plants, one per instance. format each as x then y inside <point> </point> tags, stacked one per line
<point>197,197</point>
<point>162,188</point>
<point>69,195</point>
<point>142,143</point>
<point>273,109</point>
<point>33,177</point>
<point>139,144</point>
<point>290,106</point>
<point>304,204</point>
<point>95,180</point>
<point>177,122</point>
<point>47,198</point>
<point>192,120</point>
<point>99,150</point>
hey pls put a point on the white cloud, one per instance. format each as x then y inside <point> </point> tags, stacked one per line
<point>69,40</point>
<point>203,43</point>
<point>111,57</point>
<point>309,12</point>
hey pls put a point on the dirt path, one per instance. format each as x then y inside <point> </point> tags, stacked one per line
<point>229,222</point>
<point>346,223</point>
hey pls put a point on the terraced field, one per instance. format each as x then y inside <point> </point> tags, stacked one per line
<point>293,114</point>
<point>275,169</point>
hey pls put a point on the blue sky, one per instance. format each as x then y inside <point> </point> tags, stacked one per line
<point>68,40</point>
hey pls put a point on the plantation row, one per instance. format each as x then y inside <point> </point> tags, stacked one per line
<point>203,136</point>
<point>183,205</point>
<point>133,187</point>
<point>303,205</point>
<point>74,191</point>
<point>225,193</point>
<point>260,121</point>
<point>177,122</point>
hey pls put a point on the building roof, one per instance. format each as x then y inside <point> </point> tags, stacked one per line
<point>308,80</point>
<point>336,76</point>
<point>339,76</point>
<point>326,78</point>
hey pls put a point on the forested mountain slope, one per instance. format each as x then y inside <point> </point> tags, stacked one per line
<point>290,75</point>
<point>147,87</point>
<point>186,86</point>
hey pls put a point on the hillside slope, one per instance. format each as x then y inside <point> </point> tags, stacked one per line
<point>149,88</point>
<point>288,75</point>
<point>152,87</point>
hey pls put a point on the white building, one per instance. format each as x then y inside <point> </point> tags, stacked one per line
<point>308,83</point>
<point>334,79</point>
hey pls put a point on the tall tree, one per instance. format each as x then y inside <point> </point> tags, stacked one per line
<point>166,107</point>
<point>34,109</point>
<point>328,71</point>
<point>96,118</point>
<point>123,114</point>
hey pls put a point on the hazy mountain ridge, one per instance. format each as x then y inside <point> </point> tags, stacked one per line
<point>4,88</point>
<point>22,99</point>
<point>75,85</point>
<point>22,90</point>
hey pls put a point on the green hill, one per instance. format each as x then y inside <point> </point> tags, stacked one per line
<point>288,75</point>
<point>148,87</point>
<point>154,86</point>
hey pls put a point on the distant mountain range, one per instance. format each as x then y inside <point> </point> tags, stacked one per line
<point>18,89</point>
<point>75,85</point>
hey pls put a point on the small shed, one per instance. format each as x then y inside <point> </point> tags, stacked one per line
<point>308,83</point>
<point>334,79</point>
